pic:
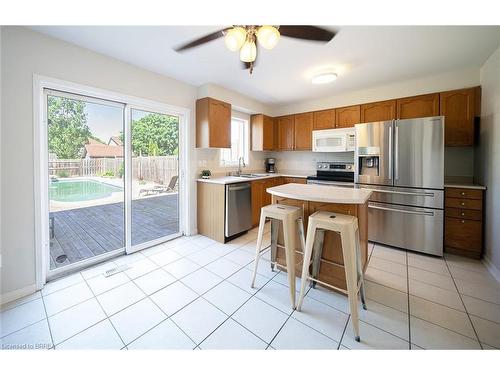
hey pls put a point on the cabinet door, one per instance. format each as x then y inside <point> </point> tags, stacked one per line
<point>262,132</point>
<point>379,111</point>
<point>347,117</point>
<point>458,109</point>
<point>268,142</point>
<point>219,119</point>
<point>324,119</point>
<point>257,201</point>
<point>418,106</point>
<point>303,131</point>
<point>285,132</point>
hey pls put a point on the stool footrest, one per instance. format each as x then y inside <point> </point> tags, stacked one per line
<point>332,286</point>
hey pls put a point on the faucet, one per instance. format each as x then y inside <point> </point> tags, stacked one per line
<point>241,162</point>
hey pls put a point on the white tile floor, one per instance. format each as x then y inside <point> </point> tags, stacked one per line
<point>194,293</point>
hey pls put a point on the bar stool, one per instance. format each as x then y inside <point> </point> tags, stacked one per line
<point>347,227</point>
<point>291,217</point>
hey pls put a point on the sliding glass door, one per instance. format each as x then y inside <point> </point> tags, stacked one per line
<point>155,176</point>
<point>113,179</point>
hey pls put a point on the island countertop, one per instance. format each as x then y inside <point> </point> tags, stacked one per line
<point>321,193</point>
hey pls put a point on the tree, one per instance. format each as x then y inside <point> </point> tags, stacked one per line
<point>67,127</point>
<point>155,135</point>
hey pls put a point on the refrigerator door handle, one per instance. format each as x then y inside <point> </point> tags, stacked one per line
<point>390,152</point>
<point>396,152</point>
<point>403,192</point>
<point>422,213</point>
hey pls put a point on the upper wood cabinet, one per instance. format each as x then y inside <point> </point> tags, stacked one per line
<point>418,106</point>
<point>324,119</point>
<point>285,132</point>
<point>457,107</point>
<point>378,111</point>
<point>347,117</point>
<point>303,131</point>
<point>262,129</point>
<point>213,123</point>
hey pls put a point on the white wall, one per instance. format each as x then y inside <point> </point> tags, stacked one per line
<point>488,155</point>
<point>25,53</point>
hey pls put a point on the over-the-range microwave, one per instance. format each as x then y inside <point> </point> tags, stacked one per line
<point>333,140</point>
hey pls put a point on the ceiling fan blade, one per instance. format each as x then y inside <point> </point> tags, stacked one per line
<point>306,32</point>
<point>202,40</point>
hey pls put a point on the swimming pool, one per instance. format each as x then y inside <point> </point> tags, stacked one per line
<point>80,190</point>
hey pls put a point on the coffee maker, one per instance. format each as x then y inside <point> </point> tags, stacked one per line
<point>270,165</point>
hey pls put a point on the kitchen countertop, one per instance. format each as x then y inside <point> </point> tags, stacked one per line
<point>321,193</point>
<point>224,180</point>
<point>461,183</point>
<point>465,186</point>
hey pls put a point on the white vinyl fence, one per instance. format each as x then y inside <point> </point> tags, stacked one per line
<point>159,169</point>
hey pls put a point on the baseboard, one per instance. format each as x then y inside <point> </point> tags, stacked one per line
<point>491,267</point>
<point>16,294</point>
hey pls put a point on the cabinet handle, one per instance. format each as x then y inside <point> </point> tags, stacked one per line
<point>463,203</point>
<point>463,213</point>
<point>463,221</point>
<point>463,193</point>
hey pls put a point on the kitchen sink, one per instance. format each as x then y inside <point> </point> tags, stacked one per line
<point>253,175</point>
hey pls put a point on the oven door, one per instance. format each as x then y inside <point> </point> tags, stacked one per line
<point>412,228</point>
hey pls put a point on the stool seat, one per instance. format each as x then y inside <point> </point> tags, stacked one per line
<point>291,218</point>
<point>347,227</point>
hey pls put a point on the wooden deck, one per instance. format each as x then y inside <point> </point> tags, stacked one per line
<point>86,232</point>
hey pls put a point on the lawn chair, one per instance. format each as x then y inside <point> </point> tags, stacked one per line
<point>159,189</point>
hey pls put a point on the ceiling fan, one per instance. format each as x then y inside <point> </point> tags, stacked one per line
<point>245,37</point>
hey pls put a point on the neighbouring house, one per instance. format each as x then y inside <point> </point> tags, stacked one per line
<point>115,141</point>
<point>97,149</point>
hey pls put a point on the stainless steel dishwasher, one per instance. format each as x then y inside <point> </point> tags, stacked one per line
<point>238,209</point>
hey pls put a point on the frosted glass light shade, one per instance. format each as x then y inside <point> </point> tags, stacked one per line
<point>235,38</point>
<point>268,36</point>
<point>248,52</point>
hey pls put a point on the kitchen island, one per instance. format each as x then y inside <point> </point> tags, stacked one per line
<point>312,198</point>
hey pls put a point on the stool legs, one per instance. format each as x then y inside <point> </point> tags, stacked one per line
<point>311,230</point>
<point>274,241</point>
<point>348,239</point>
<point>359,268</point>
<point>289,237</point>
<point>318,249</point>
<point>258,246</point>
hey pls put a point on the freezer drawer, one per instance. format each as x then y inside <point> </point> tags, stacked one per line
<point>417,229</point>
<point>406,196</point>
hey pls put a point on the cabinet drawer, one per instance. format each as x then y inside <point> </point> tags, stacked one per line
<point>471,204</point>
<point>463,234</point>
<point>463,214</point>
<point>463,193</point>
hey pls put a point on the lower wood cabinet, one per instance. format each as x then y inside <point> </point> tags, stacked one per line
<point>260,197</point>
<point>463,227</point>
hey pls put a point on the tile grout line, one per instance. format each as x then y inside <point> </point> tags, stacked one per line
<point>48,324</point>
<point>465,307</point>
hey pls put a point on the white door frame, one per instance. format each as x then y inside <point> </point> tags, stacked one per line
<point>40,158</point>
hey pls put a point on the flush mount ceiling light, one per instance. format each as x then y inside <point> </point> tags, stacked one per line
<point>245,38</point>
<point>323,78</point>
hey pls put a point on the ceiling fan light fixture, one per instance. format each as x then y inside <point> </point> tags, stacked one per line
<point>268,36</point>
<point>248,52</point>
<point>323,78</point>
<point>235,38</point>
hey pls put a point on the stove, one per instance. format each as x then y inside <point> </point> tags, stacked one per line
<point>333,173</point>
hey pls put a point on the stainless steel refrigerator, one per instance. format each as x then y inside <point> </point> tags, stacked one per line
<point>402,161</point>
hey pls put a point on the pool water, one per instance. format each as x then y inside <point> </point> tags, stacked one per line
<point>80,190</point>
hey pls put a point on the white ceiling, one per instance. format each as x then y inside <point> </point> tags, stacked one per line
<point>364,56</point>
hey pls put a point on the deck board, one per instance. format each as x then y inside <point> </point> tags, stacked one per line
<point>83,233</point>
